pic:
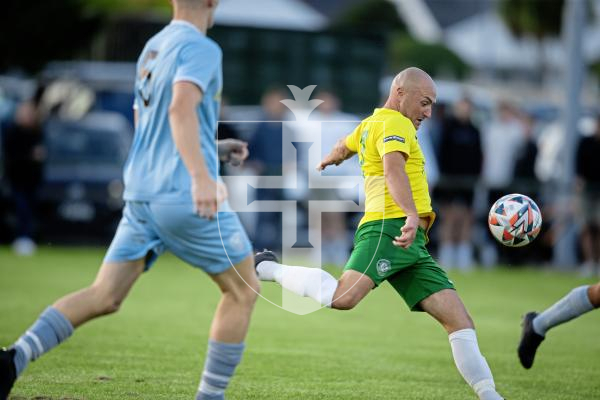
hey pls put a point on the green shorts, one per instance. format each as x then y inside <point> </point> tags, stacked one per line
<point>412,272</point>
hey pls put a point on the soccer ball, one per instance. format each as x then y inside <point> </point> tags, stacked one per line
<point>515,220</point>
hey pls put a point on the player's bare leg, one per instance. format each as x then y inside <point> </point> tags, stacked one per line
<point>57,322</point>
<point>577,302</point>
<point>594,295</point>
<point>104,296</point>
<point>352,287</point>
<point>239,287</point>
<point>448,309</point>
<point>239,290</point>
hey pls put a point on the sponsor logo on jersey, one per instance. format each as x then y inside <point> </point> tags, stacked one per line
<point>394,137</point>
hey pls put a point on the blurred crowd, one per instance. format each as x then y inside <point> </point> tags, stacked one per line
<point>65,175</point>
<point>475,155</point>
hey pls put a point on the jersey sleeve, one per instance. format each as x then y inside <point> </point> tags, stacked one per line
<point>198,63</point>
<point>352,140</point>
<point>394,136</point>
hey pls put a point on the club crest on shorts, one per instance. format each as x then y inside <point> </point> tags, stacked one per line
<point>383,267</point>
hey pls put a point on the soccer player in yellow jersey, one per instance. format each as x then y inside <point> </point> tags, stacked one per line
<point>389,244</point>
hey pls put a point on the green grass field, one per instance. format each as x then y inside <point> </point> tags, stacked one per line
<point>154,347</point>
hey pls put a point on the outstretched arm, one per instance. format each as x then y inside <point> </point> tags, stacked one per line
<point>338,155</point>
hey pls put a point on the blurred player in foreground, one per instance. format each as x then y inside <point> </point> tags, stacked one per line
<point>173,199</point>
<point>578,302</point>
<point>390,241</point>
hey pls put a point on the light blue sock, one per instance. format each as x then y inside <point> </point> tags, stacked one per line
<point>571,306</point>
<point>221,360</point>
<point>50,329</point>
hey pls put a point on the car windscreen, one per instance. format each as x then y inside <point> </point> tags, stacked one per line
<point>70,144</point>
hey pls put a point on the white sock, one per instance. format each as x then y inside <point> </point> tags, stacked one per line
<point>315,283</point>
<point>266,270</point>
<point>571,306</point>
<point>472,365</point>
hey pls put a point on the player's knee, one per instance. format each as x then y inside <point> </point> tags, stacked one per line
<point>107,302</point>
<point>463,321</point>
<point>252,291</point>
<point>245,294</point>
<point>111,304</point>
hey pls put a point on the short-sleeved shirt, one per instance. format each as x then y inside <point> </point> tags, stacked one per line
<point>154,171</point>
<point>387,131</point>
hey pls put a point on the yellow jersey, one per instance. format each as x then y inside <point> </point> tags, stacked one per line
<point>386,131</point>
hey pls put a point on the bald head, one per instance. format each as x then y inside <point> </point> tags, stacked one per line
<point>412,93</point>
<point>411,78</point>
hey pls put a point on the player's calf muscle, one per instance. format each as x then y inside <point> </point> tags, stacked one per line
<point>88,303</point>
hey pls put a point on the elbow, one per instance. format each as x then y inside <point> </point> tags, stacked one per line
<point>388,173</point>
<point>174,111</point>
<point>178,109</point>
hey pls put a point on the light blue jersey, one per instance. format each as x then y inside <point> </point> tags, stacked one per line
<point>159,213</point>
<point>154,170</point>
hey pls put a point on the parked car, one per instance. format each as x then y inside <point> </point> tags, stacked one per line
<point>82,194</point>
<point>111,82</point>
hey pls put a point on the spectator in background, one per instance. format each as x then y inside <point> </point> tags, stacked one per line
<point>336,242</point>
<point>503,140</point>
<point>429,137</point>
<point>526,182</point>
<point>526,179</point>
<point>460,161</point>
<point>267,160</point>
<point>433,126</point>
<point>588,188</point>
<point>24,155</point>
<point>226,130</point>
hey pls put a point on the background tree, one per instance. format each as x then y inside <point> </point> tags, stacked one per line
<point>36,31</point>
<point>438,60</point>
<point>378,16</point>
<point>539,19</point>
<point>402,50</point>
<point>120,6</point>
<point>595,69</point>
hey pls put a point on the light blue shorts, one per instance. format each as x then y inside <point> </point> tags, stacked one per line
<point>146,230</point>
